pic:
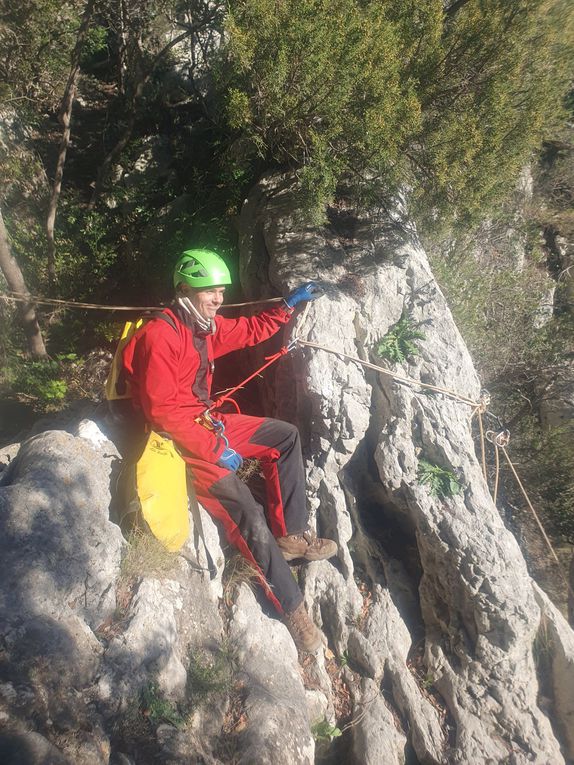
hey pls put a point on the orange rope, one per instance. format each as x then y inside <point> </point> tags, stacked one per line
<point>269,360</point>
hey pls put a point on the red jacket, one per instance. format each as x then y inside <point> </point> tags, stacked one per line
<point>170,371</point>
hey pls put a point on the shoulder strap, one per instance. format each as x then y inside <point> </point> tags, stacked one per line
<point>167,318</point>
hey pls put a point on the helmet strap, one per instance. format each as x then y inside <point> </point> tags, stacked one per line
<point>187,305</point>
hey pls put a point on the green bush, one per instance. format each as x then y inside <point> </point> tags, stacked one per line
<point>324,731</point>
<point>317,86</point>
<point>546,460</point>
<point>157,708</point>
<point>379,94</point>
<point>496,304</point>
<point>42,380</point>
<point>36,37</point>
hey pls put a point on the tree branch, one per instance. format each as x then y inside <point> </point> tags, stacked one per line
<point>65,117</point>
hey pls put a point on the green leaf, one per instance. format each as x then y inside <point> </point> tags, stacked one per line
<point>441,482</point>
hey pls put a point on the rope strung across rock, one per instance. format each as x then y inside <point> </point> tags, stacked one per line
<point>400,378</point>
<point>537,519</point>
<point>499,440</point>
<point>21,297</point>
<point>484,401</point>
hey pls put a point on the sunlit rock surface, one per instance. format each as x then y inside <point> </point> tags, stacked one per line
<point>438,646</point>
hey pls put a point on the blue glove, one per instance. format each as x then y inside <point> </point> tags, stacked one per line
<point>309,291</point>
<point>230,459</point>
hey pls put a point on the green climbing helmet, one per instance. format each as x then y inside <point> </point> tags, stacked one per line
<point>201,269</point>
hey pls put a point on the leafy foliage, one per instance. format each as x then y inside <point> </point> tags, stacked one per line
<point>317,86</point>
<point>495,85</point>
<point>36,37</point>
<point>496,305</point>
<point>376,93</point>
<point>344,659</point>
<point>157,708</point>
<point>547,465</point>
<point>442,483</point>
<point>520,343</point>
<point>323,730</point>
<point>397,345</point>
<point>43,379</point>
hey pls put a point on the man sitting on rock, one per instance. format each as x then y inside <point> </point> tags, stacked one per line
<point>170,372</point>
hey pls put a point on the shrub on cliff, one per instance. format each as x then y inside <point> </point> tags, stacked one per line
<point>384,93</point>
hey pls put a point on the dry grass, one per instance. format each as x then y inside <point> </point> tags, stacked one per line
<point>248,469</point>
<point>238,570</point>
<point>426,681</point>
<point>342,702</point>
<point>367,596</point>
<point>146,556</point>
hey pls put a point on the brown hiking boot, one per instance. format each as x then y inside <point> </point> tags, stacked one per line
<point>307,546</point>
<point>305,634</point>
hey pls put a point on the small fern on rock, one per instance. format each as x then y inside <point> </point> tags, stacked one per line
<point>399,342</point>
<point>157,708</point>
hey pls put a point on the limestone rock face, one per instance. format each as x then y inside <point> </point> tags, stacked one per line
<point>430,596</point>
<point>438,647</point>
<point>59,561</point>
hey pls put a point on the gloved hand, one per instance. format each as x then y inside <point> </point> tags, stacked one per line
<point>309,291</point>
<point>230,459</point>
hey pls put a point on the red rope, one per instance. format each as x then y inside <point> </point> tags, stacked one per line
<point>269,360</point>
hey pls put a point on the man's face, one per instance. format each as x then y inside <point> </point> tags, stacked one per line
<point>207,302</point>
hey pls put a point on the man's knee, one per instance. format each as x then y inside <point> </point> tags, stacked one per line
<point>277,433</point>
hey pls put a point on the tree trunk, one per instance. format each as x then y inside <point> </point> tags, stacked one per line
<point>123,46</point>
<point>65,117</point>
<point>571,593</point>
<point>16,283</point>
<point>455,7</point>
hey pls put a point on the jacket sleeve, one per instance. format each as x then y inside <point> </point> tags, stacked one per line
<point>233,334</point>
<point>152,362</point>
